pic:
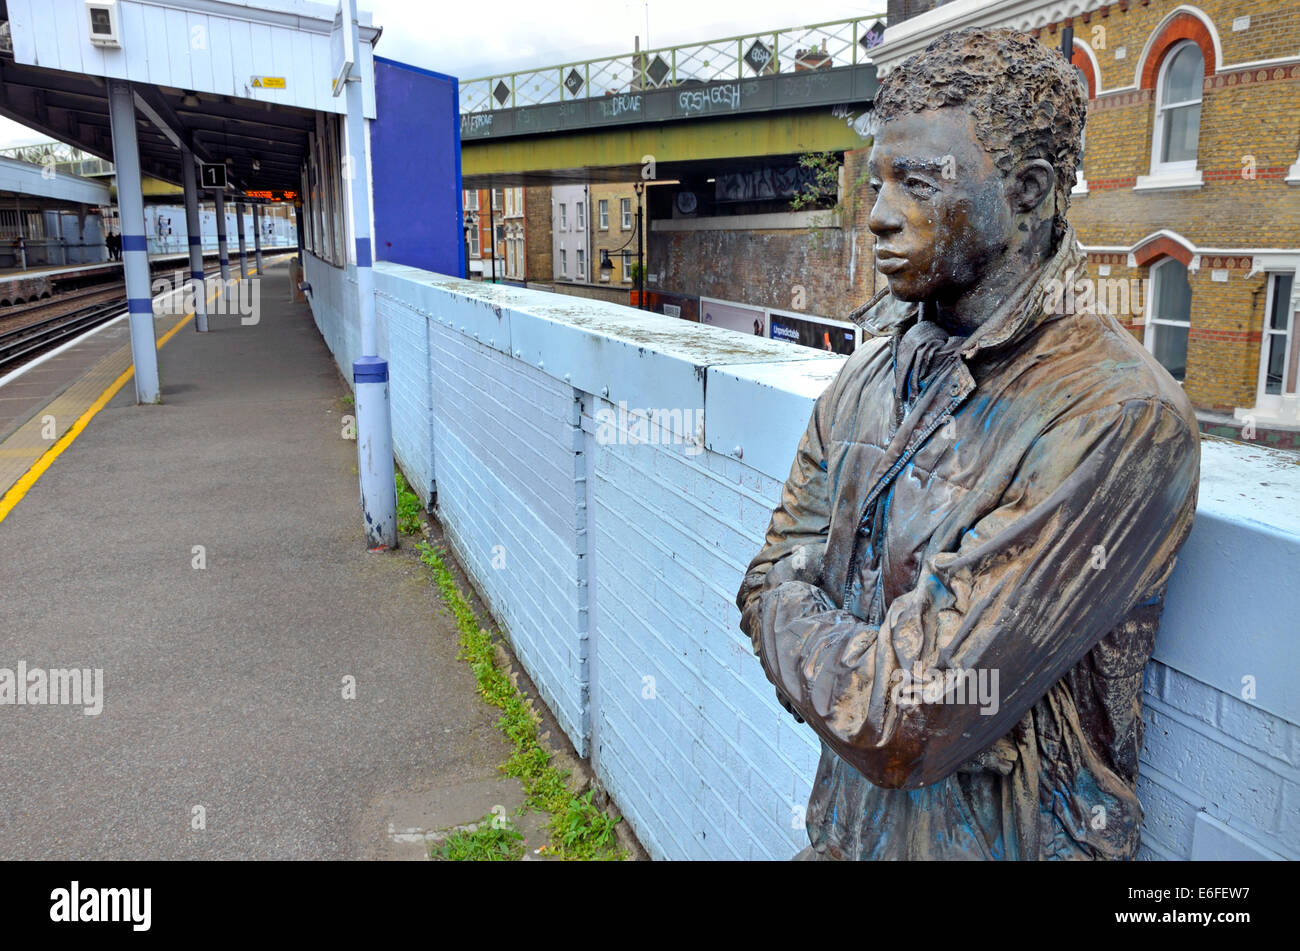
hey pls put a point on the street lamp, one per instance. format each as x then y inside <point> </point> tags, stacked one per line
<point>471,221</point>
<point>607,265</point>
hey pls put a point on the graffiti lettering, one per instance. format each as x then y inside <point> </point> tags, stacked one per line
<point>612,107</point>
<point>725,96</point>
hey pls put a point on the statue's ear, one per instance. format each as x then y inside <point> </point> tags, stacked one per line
<point>1032,183</point>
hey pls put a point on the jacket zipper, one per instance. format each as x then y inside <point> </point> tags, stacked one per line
<point>884,481</point>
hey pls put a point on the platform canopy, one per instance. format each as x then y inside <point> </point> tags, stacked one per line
<point>242,84</point>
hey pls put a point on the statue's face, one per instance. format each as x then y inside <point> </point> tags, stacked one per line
<point>941,215</point>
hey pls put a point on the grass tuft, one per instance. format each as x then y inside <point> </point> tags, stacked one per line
<point>578,829</point>
<point>487,841</point>
<point>408,509</point>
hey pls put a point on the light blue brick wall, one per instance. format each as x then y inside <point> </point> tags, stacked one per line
<point>608,562</point>
<point>503,438</point>
<point>331,291</point>
<point>690,740</point>
<point>404,341</point>
<point>1211,752</point>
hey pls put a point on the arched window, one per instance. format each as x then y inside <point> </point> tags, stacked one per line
<point>1178,110</point>
<point>1082,183</point>
<point>1169,317</point>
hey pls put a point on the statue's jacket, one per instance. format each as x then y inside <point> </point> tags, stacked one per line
<point>1019,521</point>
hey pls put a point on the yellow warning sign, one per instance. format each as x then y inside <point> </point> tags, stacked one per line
<point>268,82</point>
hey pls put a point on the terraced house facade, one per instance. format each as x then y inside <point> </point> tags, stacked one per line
<point>1189,194</point>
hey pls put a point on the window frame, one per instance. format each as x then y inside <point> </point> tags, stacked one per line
<point>1152,322</point>
<point>625,214</point>
<point>1263,399</point>
<point>602,209</point>
<point>1182,167</point>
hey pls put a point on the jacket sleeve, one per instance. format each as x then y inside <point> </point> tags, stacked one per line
<point>796,536</point>
<point>1087,529</point>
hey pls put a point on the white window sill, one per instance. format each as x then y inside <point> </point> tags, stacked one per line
<point>1169,182</point>
<point>1080,187</point>
<point>1285,414</point>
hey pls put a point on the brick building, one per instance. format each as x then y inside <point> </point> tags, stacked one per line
<point>508,215</point>
<point>587,220</point>
<point>538,256</point>
<point>1190,184</point>
<point>732,239</point>
<point>613,232</point>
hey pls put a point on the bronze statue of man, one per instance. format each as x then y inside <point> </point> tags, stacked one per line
<point>960,587</point>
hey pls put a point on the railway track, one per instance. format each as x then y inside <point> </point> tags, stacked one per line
<point>30,340</point>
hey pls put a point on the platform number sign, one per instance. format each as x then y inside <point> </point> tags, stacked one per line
<point>212,175</point>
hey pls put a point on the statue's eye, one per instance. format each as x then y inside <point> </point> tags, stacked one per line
<point>920,187</point>
<point>874,185</point>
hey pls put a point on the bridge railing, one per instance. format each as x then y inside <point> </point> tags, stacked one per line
<point>819,46</point>
<point>61,158</point>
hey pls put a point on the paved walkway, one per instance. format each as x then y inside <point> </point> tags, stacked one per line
<point>223,687</point>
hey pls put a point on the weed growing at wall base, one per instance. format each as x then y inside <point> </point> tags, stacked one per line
<point>578,829</point>
<point>486,842</point>
<point>408,508</point>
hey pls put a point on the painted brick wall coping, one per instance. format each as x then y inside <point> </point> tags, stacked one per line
<point>1251,484</point>
<point>645,360</point>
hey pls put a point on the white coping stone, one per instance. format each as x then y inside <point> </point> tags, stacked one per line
<point>1251,484</point>
<point>647,360</point>
<point>763,409</point>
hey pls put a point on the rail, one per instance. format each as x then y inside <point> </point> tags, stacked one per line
<point>819,46</point>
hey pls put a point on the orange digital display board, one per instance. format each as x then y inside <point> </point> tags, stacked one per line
<point>274,194</point>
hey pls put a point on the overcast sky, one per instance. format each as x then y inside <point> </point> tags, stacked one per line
<point>472,39</point>
<point>476,39</point>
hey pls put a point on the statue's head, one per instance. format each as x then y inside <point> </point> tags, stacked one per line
<point>976,145</point>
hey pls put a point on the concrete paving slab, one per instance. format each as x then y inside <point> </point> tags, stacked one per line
<point>224,686</point>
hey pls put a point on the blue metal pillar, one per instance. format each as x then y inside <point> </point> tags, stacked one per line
<point>194,228</point>
<point>222,253</point>
<point>243,253</point>
<point>370,371</point>
<point>135,252</point>
<point>257,235</point>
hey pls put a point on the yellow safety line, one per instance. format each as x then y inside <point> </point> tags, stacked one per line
<point>21,487</point>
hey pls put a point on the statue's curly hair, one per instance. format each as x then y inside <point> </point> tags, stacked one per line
<point>1026,99</point>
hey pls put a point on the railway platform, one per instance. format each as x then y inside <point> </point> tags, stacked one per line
<point>202,553</point>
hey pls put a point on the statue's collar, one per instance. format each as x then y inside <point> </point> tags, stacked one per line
<point>1023,310</point>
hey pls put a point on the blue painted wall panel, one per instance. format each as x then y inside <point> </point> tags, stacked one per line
<point>415,163</point>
